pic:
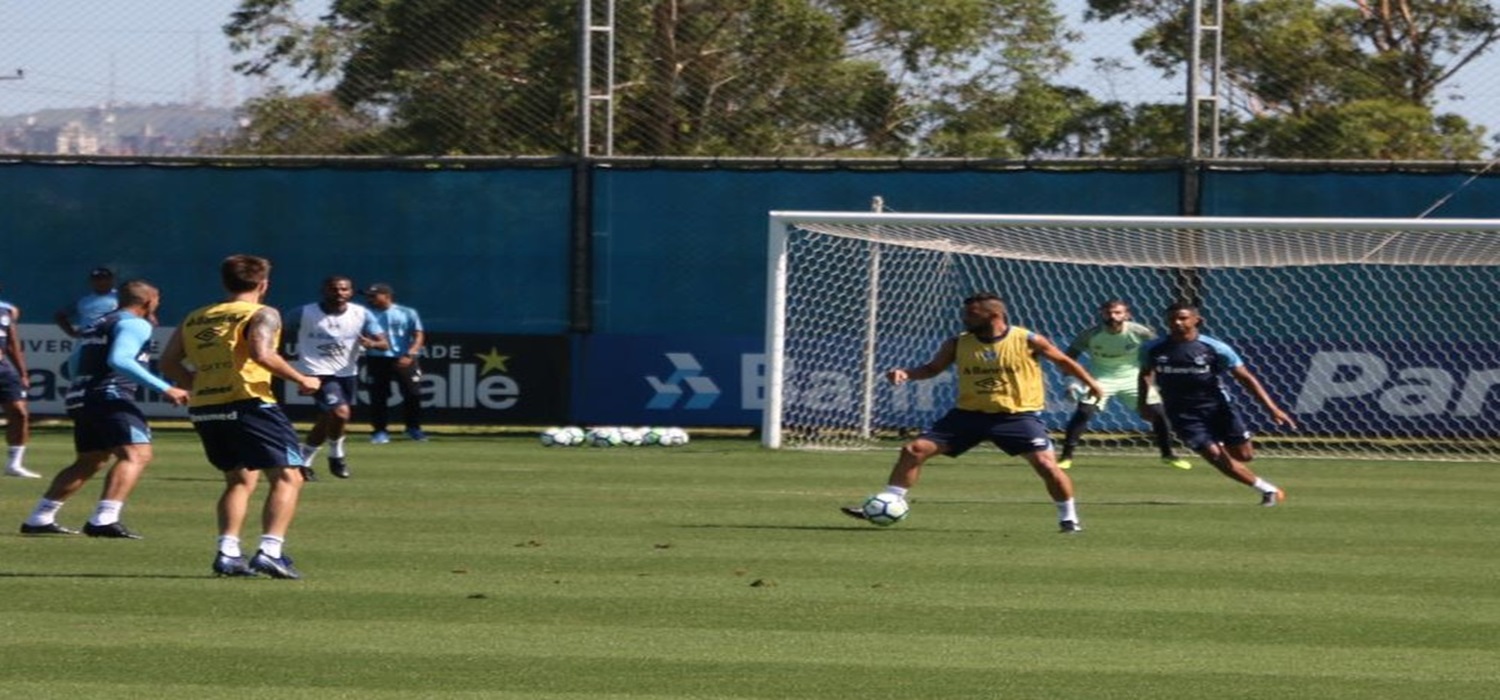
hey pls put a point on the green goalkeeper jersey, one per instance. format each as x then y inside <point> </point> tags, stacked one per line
<point>1112,356</point>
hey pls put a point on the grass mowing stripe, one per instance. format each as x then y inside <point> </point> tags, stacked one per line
<point>689,664</point>
<point>491,567</point>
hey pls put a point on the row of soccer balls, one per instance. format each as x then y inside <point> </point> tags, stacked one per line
<point>611,436</point>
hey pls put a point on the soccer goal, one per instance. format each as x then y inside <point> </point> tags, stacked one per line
<point>1380,336</point>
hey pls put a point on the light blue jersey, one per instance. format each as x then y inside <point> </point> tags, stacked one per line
<point>92,307</point>
<point>108,363</point>
<point>400,324</point>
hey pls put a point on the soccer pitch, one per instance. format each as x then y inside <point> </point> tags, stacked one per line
<point>491,567</point>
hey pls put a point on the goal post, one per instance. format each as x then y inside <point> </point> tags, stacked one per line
<point>1380,336</point>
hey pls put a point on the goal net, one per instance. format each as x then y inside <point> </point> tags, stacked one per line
<point>1379,336</point>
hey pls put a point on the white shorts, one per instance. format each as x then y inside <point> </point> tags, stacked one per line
<point>1125,389</point>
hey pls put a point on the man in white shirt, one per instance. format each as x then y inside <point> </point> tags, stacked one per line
<point>331,332</point>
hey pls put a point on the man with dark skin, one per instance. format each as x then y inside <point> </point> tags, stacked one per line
<point>1189,369</point>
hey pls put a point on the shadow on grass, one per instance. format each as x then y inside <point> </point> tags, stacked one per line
<point>852,527</point>
<point>1085,503</point>
<point>10,574</point>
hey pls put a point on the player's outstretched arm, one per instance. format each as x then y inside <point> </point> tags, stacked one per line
<point>939,362</point>
<point>1248,380</point>
<point>124,349</point>
<point>64,320</point>
<point>1044,347</point>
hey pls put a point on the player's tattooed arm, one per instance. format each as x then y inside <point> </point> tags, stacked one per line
<point>262,333</point>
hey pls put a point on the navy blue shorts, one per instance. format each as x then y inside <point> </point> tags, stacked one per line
<point>100,426</point>
<point>10,384</point>
<point>250,434</point>
<point>1211,425</point>
<point>335,391</point>
<point>1014,433</point>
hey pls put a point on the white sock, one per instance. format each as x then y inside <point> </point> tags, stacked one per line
<point>229,546</point>
<point>898,490</point>
<point>336,447</point>
<point>15,453</point>
<point>107,512</point>
<point>1067,510</point>
<point>45,512</point>
<point>270,545</point>
<point>309,452</point>
<point>1264,486</point>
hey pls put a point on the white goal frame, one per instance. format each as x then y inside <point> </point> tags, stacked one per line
<point>1186,244</point>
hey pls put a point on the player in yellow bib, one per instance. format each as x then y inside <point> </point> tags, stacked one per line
<point>1114,347</point>
<point>228,352</point>
<point>1000,399</point>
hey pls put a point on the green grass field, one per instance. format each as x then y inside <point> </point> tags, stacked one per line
<point>491,567</point>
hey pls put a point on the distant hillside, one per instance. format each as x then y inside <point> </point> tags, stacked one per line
<point>162,128</point>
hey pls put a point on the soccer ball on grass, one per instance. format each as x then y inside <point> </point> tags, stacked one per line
<point>604,437</point>
<point>562,437</point>
<point>885,509</point>
<point>672,437</point>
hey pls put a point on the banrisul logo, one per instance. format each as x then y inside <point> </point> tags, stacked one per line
<point>686,380</point>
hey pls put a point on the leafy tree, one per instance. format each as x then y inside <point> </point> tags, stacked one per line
<point>279,123</point>
<point>692,77</point>
<point>1035,119</point>
<point>1311,80</point>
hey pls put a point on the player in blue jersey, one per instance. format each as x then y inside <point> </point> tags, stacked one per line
<point>398,362</point>
<point>107,366</point>
<point>101,299</point>
<point>14,383</point>
<point>1189,368</point>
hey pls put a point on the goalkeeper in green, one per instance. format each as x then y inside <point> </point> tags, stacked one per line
<point>1113,347</point>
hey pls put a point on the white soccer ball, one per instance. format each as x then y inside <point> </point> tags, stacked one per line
<point>632,436</point>
<point>673,437</point>
<point>885,509</point>
<point>604,437</point>
<point>652,436</point>
<point>555,437</point>
<point>567,436</point>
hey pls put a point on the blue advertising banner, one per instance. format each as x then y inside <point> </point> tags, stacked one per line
<point>475,379</point>
<point>1350,390</point>
<point>680,380</point>
<point>1431,389</point>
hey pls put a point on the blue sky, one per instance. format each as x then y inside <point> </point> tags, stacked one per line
<point>86,52</point>
<point>82,52</point>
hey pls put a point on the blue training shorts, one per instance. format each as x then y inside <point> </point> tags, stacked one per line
<point>252,434</point>
<point>100,426</point>
<point>1199,428</point>
<point>335,391</point>
<point>1014,433</point>
<point>10,384</point>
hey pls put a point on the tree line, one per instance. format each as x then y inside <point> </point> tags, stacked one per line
<point>1347,79</point>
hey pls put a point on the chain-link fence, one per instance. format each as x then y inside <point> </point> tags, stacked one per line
<point>1005,79</point>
